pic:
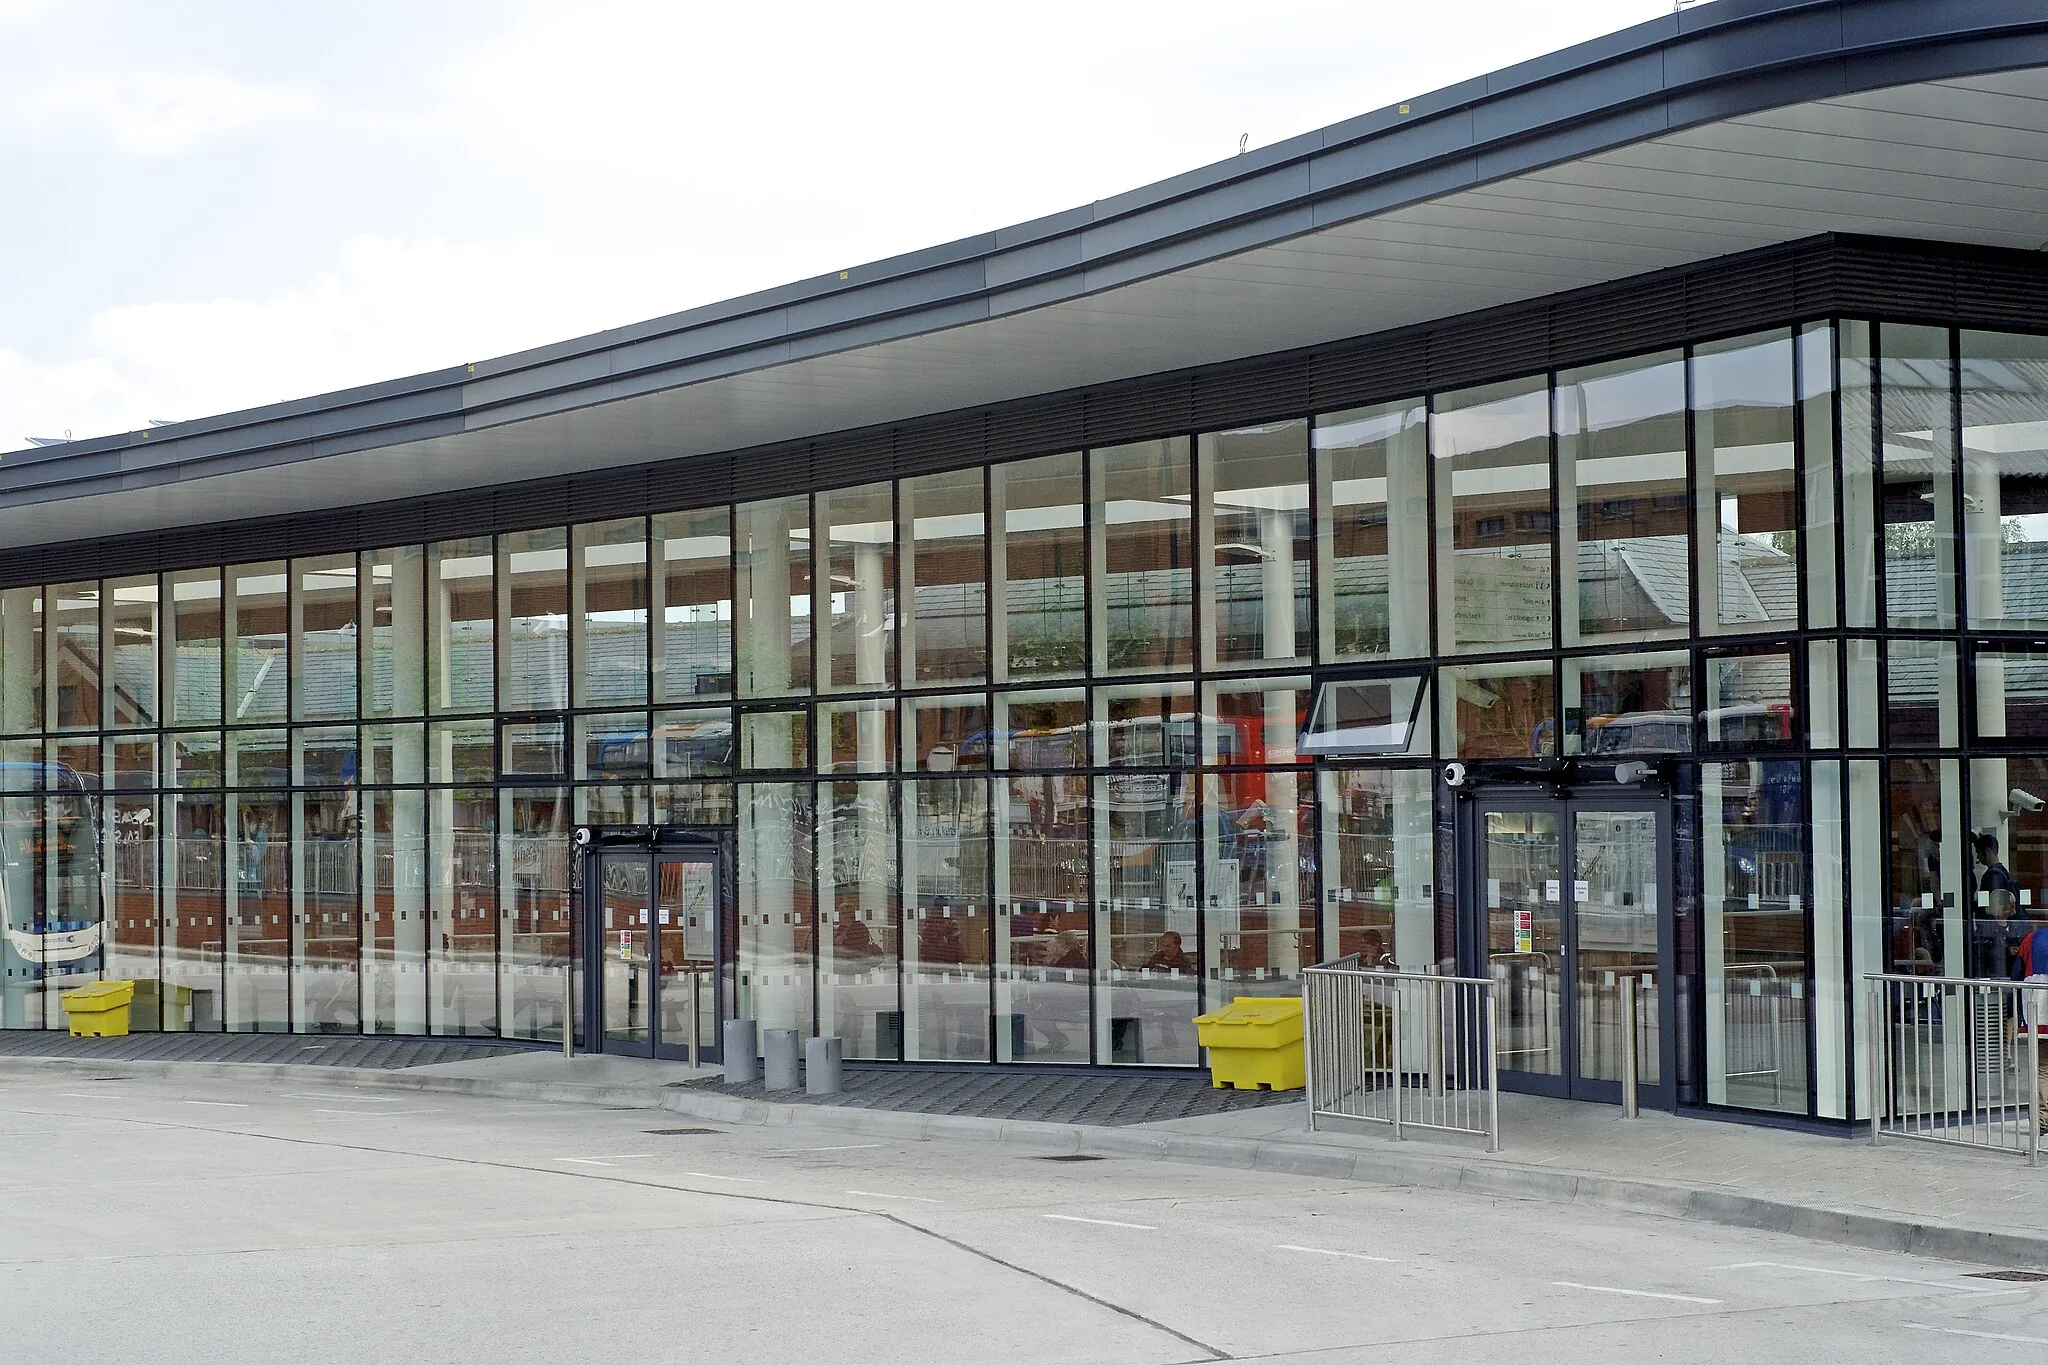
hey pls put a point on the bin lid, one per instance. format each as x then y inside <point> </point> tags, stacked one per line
<point>1255,1009</point>
<point>100,993</point>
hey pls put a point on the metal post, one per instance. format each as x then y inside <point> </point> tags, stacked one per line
<point>1433,1026</point>
<point>2034,1022</point>
<point>1630,1106</point>
<point>1310,998</point>
<point>1394,1062</point>
<point>568,1009</point>
<point>1874,1050</point>
<point>694,1004</point>
<point>1492,1070</point>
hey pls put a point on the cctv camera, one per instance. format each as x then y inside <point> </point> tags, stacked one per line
<point>1628,774</point>
<point>1454,774</point>
<point>2025,800</point>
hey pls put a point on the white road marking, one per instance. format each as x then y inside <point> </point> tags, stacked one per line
<point>1099,1222</point>
<point>849,1147</point>
<point>346,1099</point>
<point>1863,1276</point>
<point>217,1104</point>
<point>1327,1251</point>
<point>736,1179</point>
<point>376,1113</point>
<point>76,1095</point>
<point>1632,1293</point>
<point>605,1161</point>
<point>877,1194</point>
<point>1982,1336</point>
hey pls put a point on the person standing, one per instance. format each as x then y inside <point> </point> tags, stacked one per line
<point>2032,968</point>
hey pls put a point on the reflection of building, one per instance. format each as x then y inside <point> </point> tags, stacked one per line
<point>1646,408</point>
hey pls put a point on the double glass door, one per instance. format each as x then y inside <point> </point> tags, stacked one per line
<point>654,924</point>
<point>1572,898</point>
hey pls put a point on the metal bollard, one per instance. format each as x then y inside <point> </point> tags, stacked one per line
<point>742,1063</point>
<point>821,1066</point>
<point>568,1011</point>
<point>695,1026</point>
<point>1630,1107</point>
<point>779,1059</point>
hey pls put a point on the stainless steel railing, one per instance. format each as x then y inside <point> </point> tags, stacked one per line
<point>1958,1061</point>
<point>1405,1049</point>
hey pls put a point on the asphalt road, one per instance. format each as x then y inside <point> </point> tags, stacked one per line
<point>215,1221</point>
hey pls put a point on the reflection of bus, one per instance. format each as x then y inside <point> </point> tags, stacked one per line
<point>51,897</point>
<point>692,749</point>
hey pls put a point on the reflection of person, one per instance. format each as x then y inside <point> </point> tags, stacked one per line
<point>2032,967</point>
<point>850,937</point>
<point>1066,950</point>
<point>1372,950</point>
<point>1168,956</point>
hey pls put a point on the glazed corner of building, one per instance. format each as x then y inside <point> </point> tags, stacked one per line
<point>968,655</point>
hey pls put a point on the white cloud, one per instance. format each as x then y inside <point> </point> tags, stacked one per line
<point>147,111</point>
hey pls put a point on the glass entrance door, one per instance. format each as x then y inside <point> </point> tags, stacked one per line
<point>1571,895</point>
<point>655,922</point>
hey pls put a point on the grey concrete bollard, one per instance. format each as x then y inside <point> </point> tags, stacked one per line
<point>821,1066</point>
<point>742,1063</point>
<point>778,1059</point>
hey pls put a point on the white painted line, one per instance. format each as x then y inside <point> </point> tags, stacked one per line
<point>217,1104</point>
<point>1347,1255</point>
<point>736,1179</point>
<point>849,1147</point>
<point>1860,1276</point>
<point>1099,1222</point>
<point>74,1095</point>
<point>345,1099</point>
<point>376,1113</point>
<point>877,1194</point>
<point>1632,1293</point>
<point>1981,1336</point>
<point>605,1161</point>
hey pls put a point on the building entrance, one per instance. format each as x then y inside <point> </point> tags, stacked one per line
<point>1566,898</point>
<point>653,917</point>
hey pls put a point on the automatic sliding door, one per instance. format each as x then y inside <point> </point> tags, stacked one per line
<point>1520,857</point>
<point>625,944</point>
<point>1616,874</point>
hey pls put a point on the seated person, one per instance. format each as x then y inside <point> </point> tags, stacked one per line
<point>1168,956</point>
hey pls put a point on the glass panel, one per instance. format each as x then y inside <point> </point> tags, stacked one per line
<point>1145,557</point>
<point>394,960</point>
<point>778,929</point>
<point>857,590</point>
<point>1624,704</point>
<point>1750,700</point>
<point>74,670</point>
<point>774,741</point>
<point>1859,477</point>
<point>1824,694</point>
<point>1621,496</point>
<point>532,749</point>
<point>258,663</point>
<point>194,760</point>
<point>1918,441</point>
<point>1042,950</point>
<point>1253,722</point>
<point>693,743</point>
<point>945,733</point>
<point>326,865</point>
<point>23,913</point>
<point>1372,496</point>
<point>2005,479</point>
<point>1364,716</point>
<point>609,614</point>
<point>1147,725</point>
<point>2009,876</point>
<point>1616,856</point>
<point>394,753</point>
<point>945,632</point>
<point>947,921</point>
<point>324,756</point>
<point>70,848</point>
<point>1748,484</point>
<point>1038,625</point>
<point>1255,526</point>
<point>2012,692</point>
<point>626,932</point>
<point>1753,861</point>
<point>1871,920</point>
<point>1864,693</point>
<point>1832,978</point>
<point>1520,865</point>
<point>694,803</point>
<point>1042,730</point>
<point>1148,921</point>
<point>687,911</point>
<point>131,860</point>
<point>1493,527</point>
<point>1923,705</point>
<point>462,751</point>
<point>394,584</point>
<point>1499,710</point>
<point>615,803</point>
<point>1924,930</point>
<point>533,907</point>
<point>774,587</point>
<point>324,654</point>
<point>462,964</point>
<point>1379,858</point>
<point>856,736</point>
<point>533,659</point>
<point>1259,923</point>
<point>460,624</point>
<point>193,909</point>
<point>21,660</point>
<point>259,758</point>
<point>693,602</point>
<point>256,947</point>
<point>130,652</point>
<point>131,764</point>
<point>1817,453</point>
<point>857,946</point>
<point>614,747</point>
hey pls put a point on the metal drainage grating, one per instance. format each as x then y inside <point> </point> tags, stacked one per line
<point>2016,1276</point>
<point>1071,1156</point>
<point>682,1132</point>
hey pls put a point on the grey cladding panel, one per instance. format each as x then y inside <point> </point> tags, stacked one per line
<point>1039,428</point>
<point>1135,411</point>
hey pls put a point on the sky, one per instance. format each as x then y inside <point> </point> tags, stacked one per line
<point>206,207</point>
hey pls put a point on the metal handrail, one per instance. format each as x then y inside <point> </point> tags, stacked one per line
<point>1409,1049</point>
<point>1941,1065</point>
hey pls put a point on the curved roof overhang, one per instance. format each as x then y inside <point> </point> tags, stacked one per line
<point>1738,125</point>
